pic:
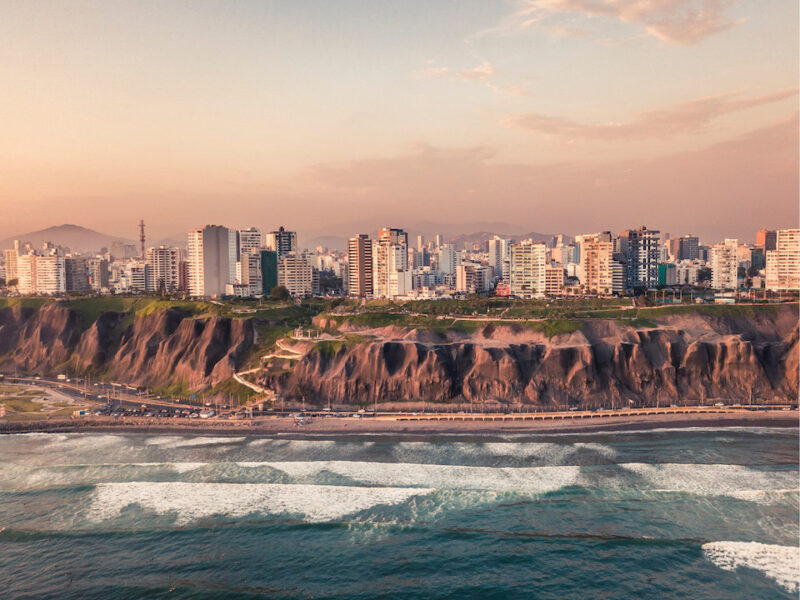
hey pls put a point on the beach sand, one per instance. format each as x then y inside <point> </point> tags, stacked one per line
<point>367,425</point>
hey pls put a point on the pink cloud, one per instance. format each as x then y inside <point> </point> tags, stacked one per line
<point>713,191</point>
<point>685,117</point>
<point>683,22</point>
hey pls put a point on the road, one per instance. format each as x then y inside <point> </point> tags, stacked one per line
<point>117,393</point>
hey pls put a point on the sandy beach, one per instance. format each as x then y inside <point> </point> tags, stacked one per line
<point>458,425</point>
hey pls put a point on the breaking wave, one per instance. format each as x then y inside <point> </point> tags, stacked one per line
<point>779,563</point>
<point>192,501</point>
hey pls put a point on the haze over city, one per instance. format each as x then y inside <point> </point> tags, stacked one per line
<point>555,115</point>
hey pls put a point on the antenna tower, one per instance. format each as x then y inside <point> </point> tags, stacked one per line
<point>141,236</point>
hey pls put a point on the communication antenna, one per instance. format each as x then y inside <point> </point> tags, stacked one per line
<point>141,236</point>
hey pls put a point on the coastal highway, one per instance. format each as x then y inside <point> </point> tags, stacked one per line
<point>120,397</point>
<point>115,394</point>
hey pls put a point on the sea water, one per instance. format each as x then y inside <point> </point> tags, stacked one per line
<point>697,513</point>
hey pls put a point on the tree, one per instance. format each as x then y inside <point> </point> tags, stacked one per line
<point>13,282</point>
<point>279,292</point>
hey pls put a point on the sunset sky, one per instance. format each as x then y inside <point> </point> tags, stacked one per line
<point>555,115</point>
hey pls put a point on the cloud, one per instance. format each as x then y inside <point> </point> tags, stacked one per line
<point>711,191</point>
<point>481,73</point>
<point>433,72</point>
<point>682,22</point>
<point>685,117</point>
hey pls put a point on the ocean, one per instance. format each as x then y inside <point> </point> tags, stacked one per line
<point>683,513</point>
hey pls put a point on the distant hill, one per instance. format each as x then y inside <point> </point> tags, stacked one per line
<point>74,237</point>
<point>482,236</point>
<point>82,239</point>
<point>336,235</point>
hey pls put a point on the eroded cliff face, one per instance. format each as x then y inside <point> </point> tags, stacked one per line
<point>688,358</point>
<point>159,348</point>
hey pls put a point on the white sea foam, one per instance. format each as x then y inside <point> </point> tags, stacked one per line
<point>523,479</point>
<point>192,501</point>
<point>779,563</point>
<point>289,446</point>
<point>183,442</point>
<point>713,479</point>
<point>544,453</point>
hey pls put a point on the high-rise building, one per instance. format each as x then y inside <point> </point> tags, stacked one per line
<point>498,252</point>
<point>528,262</point>
<point>11,258</point>
<point>688,247</point>
<point>26,273</point>
<point>50,277</point>
<point>473,277</point>
<point>282,241</point>
<point>783,263</point>
<point>449,259</point>
<point>164,268</point>
<point>359,266</point>
<point>212,260</point>
<point>725,265</point>
<point>389,255</point>
<point>296,274</point>
<point>250,273</point>
<point>98,273</point>
<point>269,271</point>
<point>41,274</point>
<point>139,276</point>
<point>640,251</point>
<point>249,240</point>
<point>600,269</point>
<point>554,280</point>
<point>667,274</point>
<point>766,239</point>
<point>76,274</point>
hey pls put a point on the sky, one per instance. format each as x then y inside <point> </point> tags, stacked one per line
<point>566,116</point>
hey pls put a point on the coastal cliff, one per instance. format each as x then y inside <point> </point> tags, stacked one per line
<point>158,348</point>
<point>669,356</point>
<point>677,358</point>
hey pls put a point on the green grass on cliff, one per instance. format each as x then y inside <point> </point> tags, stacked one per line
<point>554,327</point>
<point>26,302</point>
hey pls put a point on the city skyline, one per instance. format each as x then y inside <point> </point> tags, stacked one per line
<point>560,116</point>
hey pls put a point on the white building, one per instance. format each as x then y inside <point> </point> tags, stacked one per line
<point>164,266</point>
<point>26,274</point>
<point>39,274</point>
<point>498,253</point>
<point>688,271</point>
<point>724,261</point>
<point>449,259</point>
<point>250,272</point>
<point>249,240</point>
<point>783,263</point>
<point>11,258</point>
<point>50,276</point>
<point>600,272</point>
<point>528,269</point>
<point>211,260</point>
<point>296,274</point>
<point>389,256</point>
<point>138,276</point>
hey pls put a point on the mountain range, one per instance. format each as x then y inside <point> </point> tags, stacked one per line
<point>83,239</point>
<point>77,239</point>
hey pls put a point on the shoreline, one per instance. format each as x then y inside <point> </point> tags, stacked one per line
<point>346,426</point>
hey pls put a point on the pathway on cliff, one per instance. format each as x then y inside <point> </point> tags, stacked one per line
<point>288,354</point>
